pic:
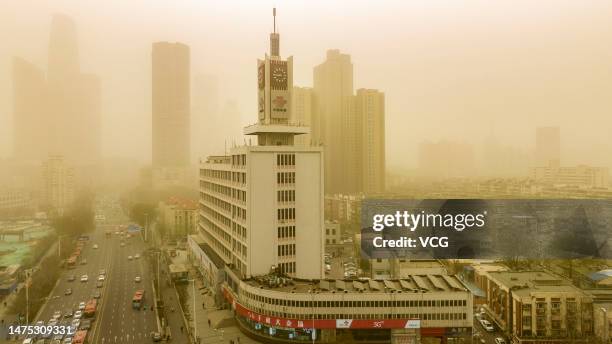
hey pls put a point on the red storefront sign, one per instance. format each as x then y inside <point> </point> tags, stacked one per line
<point>321,323</point>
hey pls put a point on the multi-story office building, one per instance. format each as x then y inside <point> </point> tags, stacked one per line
<point>536,307</point>
<point>262,244</point>
<point>59,184</point>
<point>261,206</point>
<point>582,176</point>
<point>178,216</point>
<point>548,146</point>
<point>171,107</point>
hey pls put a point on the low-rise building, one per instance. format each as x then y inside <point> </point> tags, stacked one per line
<point>408,310</point>
<point>536,307</point>
<point>178,216</point>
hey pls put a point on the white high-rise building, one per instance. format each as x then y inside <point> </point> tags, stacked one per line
<point>261,206</point>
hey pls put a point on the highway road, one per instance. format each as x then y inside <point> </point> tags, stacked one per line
<point>115,321</point>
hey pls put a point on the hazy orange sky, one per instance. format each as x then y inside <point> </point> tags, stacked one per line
<point>450,69</point>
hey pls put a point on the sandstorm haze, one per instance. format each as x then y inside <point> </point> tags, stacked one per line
<point>468,72</point>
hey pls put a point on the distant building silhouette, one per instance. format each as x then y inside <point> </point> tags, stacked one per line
<point>31,121</point>
<point>369,115</point>
<point>548,146</point>
<point>302,111</point>
<point>350,127</point>
<point>446,159</point>
<point>59,113</point>
<point>59,184</point>
<point>171,104</point>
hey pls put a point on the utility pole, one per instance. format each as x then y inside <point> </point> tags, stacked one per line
<point>146,224</point>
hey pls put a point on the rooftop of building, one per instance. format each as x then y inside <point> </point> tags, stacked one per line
<point>182,203</point>
<point>524,283</point>
<point>410,284</point>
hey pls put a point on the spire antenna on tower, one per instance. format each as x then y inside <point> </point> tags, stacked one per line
<point>274,38</point>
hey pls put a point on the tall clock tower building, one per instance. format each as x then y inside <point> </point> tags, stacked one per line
<point>261,206</point>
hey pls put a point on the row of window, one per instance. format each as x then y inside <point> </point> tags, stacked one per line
<point>239,177</point>
<point>214,229</point>
<point>215,243</point>
<point>286,232</point>
<point>422,316</point>
<point>287,268</point>
<point>359,303</point>
<point>239,160</point>
<point>285,178</point>
<point>220,189</point>
<point>238,212</point>
<point>223,175</point>
<point>215,215</point>
<point>285,160</point>
<point>217,202</point>
<point>285,214</point>
<point>238,230</point>
<point>286,250</point>
<point>285,196</point>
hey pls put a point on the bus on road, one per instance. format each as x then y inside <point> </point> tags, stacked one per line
<point>138,299</point>
<point>90,308</point>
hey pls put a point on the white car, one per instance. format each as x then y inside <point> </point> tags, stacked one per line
<point>95,246</point>
<point>77,316</point>
<point>101,278</point>
<point>81,306</point>
<point>137,279</point>
<point>137,256</point>
<point>57,315</point>
<point>500,340</point>
<point>68,340</point>
<point>129,257</point>
<point>84,278</point>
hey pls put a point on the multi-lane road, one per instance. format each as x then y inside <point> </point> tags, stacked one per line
<point>115,320</point>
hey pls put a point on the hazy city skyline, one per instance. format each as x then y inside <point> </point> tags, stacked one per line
<point>448,70</point>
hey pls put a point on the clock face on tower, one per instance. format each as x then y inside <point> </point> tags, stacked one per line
<point>278,75</point>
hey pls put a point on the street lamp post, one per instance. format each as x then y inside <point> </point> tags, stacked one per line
<point>195,324</point>
<point>27,282</point>
<point>146,225</point>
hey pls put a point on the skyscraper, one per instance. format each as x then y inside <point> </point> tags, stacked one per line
<point>332,91</point>
<point>262,205</point>
<point>369,110</point>
<point>31,133</point>
<point>548,146</point>
<point>205,116</point>
<point>171,104</point>
<point>58,114</point>
<point>301,111</point>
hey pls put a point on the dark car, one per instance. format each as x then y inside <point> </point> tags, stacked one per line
<point>99,284</point>
<point>85,325</point>
<point>97,295</point>
<point>156,336</point>
<point>68,314</point>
